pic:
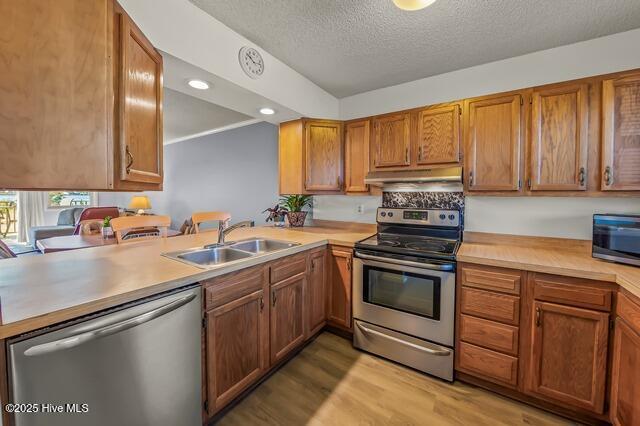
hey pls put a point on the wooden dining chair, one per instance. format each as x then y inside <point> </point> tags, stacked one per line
<point>138,228</point>
<point>203,217</point>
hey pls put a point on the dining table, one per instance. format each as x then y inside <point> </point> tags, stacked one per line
<point>76,242</point>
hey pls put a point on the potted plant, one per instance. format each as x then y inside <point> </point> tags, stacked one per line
<point>294,204</point>
<point>107,231</point>
<point>276,214</point>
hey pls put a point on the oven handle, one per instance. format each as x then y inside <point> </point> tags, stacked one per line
<point>395,339</point>
<point>433,266</point>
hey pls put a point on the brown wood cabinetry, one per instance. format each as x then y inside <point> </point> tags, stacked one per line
<point>67,109</point>
<point>625,375</point>
<point>568,355</point>
<point>287,316</point>
<point>493,134</point>
<point>356,150</point>
<point>311,157</point>
<point>438,139</point>
<point>139,110</point>
<point>559,138</point>
<point>237,353</point>
<point>339,288</point>
<point>621,133</point>
<point>391,145</point>
<point>315,295</point>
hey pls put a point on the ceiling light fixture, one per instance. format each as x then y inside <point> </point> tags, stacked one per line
<point>413,4</point>
<point>198,84</point>
<point>267,111</point>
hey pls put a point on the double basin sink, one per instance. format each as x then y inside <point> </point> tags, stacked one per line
<point>216,255</point>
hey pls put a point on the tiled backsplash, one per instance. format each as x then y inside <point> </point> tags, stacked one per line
<point>424,200</point>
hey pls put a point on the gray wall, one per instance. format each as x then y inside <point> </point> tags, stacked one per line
<point>234,171</point>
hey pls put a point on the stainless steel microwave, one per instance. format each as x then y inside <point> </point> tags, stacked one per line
<point>617,238</point>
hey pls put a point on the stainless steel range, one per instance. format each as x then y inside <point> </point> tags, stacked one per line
<point>404,288</point>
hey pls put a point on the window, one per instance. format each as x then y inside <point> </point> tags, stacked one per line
<point>60,199</point>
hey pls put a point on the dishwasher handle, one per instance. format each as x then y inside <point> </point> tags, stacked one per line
<point>79,339</point>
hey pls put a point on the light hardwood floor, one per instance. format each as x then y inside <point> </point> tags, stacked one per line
<point>330,383</point>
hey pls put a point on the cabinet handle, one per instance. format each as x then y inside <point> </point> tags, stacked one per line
<point>538,319</point>
<point>348,264</point>
<point>261,303</point>
<point>608,180</point>
<point>313,264</point>
<point>581,176</point>
<point>273,298</point>
<point>339,182</point>
<point>129,159</point>
<point>420,153</point>
<point>406,155</point>
<point>529,183</point>
<point>471,178</point>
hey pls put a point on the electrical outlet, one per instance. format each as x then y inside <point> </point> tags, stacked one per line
<point>360,209</point>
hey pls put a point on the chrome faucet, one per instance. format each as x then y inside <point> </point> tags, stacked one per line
<point>223,229</point>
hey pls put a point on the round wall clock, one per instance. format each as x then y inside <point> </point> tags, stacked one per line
<point>251,61</point>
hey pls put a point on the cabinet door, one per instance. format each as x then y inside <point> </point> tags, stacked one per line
<point>625,385</point>
<point>237,348</point>
<point>323,156</point>
<point>493,138</point>
<point>55,93</point>
<point>568,361</point>
<point>356,156</point>
<point>315,294</point>
<point>140,106</point>
<point>559,136</point>
<point>287,316</point>
<point>621,133</point>
<point>439,135</point>
<point>339,285</point>
<point>392,140</point>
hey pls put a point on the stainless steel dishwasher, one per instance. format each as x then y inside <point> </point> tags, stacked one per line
<point>138,364</point>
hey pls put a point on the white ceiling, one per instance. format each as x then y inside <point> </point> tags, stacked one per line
<point>185,116</point>
<point>353,46</point>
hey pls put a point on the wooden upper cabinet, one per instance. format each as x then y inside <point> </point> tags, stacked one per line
<point>621,133</point>
<point>287,316</point>
<point>55,94</point>
<point>392,141</point>
<point>339,288</point>
<point>559,138</point>
<point>493,128</point>
<point>568,359</point>
<point>140,107</point>
<point>237,347</point>
<point>323,155</point>
<point>438,139</point>
<point>356,149</point>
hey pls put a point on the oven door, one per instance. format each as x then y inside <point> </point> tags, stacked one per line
<point>409,297</point>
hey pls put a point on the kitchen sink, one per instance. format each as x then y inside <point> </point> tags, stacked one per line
<point>261,245</point>
<point>217,255</point>
<point>213,256</point>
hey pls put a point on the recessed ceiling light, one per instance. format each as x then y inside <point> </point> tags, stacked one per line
<point>413,4</point>
<point>267,111</point>
<point>198,84</point>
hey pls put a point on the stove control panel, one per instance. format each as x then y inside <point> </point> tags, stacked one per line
<point>429,217</point>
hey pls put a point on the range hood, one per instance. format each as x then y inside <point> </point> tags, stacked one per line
<point>437,175</point>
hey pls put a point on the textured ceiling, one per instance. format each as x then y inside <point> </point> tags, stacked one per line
<point>352,46</point>
<point>184,115</point>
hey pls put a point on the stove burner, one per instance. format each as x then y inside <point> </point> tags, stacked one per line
<point>388,242</point>
<point>432,246</point>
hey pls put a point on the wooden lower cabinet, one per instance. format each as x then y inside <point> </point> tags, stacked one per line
<point>568,358</point>
<point>339,288</point>
<point>237,347</point>
<point>287,316</point>
<point>315,293</point>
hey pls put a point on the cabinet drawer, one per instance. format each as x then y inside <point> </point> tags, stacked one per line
<point>226,288</point>
<point>488,305</point>
<point>489,334</point>
<point>491,278</point>
<point>629,311</point>
<point>489,365</point>
<point>287,267</point>
<point>570,291</point>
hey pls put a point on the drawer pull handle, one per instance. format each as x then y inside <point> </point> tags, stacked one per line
<point>435,352</point>
<point>538,317</point>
